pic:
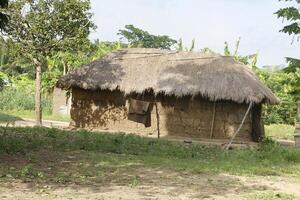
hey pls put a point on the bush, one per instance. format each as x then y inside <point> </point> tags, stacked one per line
<point>283,86</point>
<point>12,98</point>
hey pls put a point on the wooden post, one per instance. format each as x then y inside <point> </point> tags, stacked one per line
<point>157,119</point>
<point>213,121</point>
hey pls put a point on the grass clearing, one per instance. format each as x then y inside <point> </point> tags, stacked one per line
<point>80,174</point>
<point>280,131</point>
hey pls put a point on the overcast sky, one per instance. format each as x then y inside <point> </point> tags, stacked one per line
<point>210,22</point>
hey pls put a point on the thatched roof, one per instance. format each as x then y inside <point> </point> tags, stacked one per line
<point>172,73</point>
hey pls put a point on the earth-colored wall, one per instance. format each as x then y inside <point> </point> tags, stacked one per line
<point>107,110</point>
<point>61,104</point>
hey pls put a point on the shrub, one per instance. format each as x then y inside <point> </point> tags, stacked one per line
<point>283,86</point>
<point>12,98</point>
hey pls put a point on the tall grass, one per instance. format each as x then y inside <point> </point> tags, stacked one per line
<point>280,131</point>
<point>21,99</point>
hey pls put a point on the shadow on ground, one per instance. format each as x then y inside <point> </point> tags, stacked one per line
<point>4,118</point>
<point>81,175</point>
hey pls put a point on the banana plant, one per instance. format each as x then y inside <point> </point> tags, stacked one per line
<point>103,48</point>
<point>181,47</point>
<point>250,60</point>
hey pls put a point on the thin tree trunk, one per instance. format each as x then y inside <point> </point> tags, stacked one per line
<point>65,67</point>
<point>38,94</point>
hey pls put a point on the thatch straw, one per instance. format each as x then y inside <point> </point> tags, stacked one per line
<point>172,73</point>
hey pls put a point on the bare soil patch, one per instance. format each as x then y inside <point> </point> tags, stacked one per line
<point>81,175</point>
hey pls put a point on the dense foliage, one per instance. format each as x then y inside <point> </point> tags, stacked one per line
<point>17,76</point>
<point>284,85</point>
<point>39,29</point>
<point>288,85</point>
<point>62,62</point>
<point>19,96</point>
<point>3,16</point>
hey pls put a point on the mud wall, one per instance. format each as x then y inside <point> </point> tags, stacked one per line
<point>107,110</point>
<point>61,104</point>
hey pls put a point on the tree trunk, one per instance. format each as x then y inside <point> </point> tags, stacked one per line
<point>65,67</point>
<point>38,94</point>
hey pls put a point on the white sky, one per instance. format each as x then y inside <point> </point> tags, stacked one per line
<point>209,22</point>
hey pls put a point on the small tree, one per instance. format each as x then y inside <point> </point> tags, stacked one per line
<point>292,15</point>
<point>140,38</point>
<point>42,27</point>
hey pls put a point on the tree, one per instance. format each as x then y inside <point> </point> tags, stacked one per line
<point>43,27</point>
<point>3,15</point>
<point>283,85</point>
<point>293,65</point>
<point>139,38</point>
<point>62,62</point>
<point>292,15</point>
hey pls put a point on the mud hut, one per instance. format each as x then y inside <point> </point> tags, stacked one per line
<point>181,94</point>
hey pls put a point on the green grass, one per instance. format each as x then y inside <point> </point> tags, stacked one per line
<point>269,158</point>
<point>280,131</point>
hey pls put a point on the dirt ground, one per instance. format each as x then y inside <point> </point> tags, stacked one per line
<point>83,175</point>
<point>157,184</point>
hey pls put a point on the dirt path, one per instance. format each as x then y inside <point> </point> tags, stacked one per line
<point>88,175</point>
<point>25,122</point>
<point>151,184</point>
